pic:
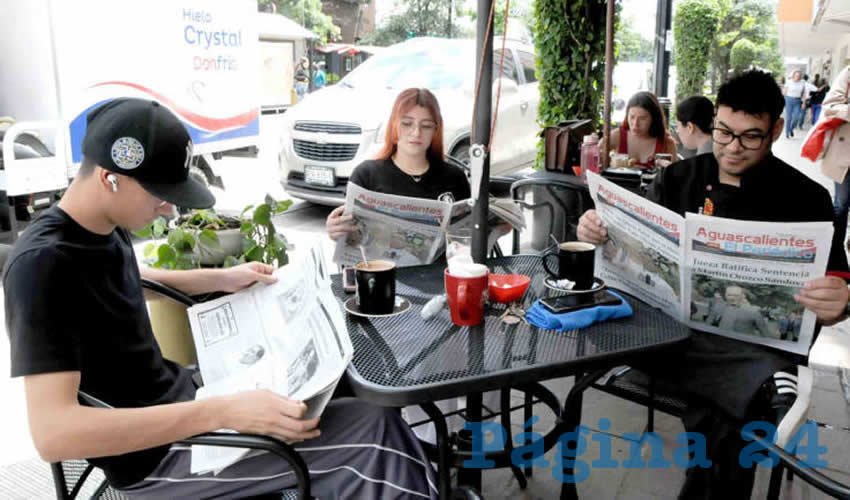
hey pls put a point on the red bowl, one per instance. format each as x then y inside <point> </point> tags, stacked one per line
<point>506,288</point>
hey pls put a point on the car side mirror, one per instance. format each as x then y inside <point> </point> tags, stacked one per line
<point>619,104</point>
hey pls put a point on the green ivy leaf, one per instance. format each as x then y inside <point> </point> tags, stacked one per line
<point>231,261</point>
<point>262,215</point>
<point>279,242</point>
<point>209,239</point>
<point>159,227</point>
<point>255,254</point>
<point>145,231</point>
<point>149,252</point>
<point>282,259</point>
<point>282,206</point>
<point>186,261</point>
<point>166,256</point>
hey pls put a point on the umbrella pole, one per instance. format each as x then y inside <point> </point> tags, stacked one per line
<point>482,130</point>
<point>609,70</point>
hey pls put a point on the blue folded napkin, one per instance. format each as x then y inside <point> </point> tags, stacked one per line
<point>541,317</point>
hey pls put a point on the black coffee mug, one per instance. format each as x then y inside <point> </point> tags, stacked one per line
<point>375,290</point>
<point>575,263</point>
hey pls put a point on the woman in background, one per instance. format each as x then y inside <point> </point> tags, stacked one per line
<point>694,120</point>
<point>644,132</point>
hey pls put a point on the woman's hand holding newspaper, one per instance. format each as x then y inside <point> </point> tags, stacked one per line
<point>264,412</point>
<point>826,297</point>
<point>339,225</point>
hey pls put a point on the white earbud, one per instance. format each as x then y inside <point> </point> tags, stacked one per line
<point>114,181</point>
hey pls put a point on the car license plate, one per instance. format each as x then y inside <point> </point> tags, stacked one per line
<point>321,176</point>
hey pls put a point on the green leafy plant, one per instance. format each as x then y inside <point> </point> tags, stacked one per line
<point>261,242</point>
<point>569,38</point>
<point>694,27</point>
<point>331,78</point>
<point>196,233</point>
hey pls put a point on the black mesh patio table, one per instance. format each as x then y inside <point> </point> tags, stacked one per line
<point>403,360</point>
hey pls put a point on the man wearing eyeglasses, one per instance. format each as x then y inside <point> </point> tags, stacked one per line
<point>740,179</point>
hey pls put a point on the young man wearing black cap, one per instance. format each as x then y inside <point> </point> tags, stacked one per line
<point>77,321</point>
<point>740,180</point>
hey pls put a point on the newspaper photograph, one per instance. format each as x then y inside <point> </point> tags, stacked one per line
<point>742,277</point>
<point>729,277</point>
<point>289,337</point>
<point>643,252</point>
<point>411,231</point>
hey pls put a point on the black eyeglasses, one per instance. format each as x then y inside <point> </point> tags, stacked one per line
<point>748,140</point>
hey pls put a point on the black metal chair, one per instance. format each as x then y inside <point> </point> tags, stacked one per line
<point>637,387</point>
<point>557,202</point>
<point>71,476</point>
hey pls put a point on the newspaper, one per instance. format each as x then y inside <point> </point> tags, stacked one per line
<point>411,231</point>
<point>289,337</point>
<point>729,277</point>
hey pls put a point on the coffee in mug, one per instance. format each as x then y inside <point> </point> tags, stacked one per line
<point>375,291</point>
<point>575,263</point>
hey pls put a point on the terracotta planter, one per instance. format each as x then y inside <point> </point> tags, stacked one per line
<point>170,325</point>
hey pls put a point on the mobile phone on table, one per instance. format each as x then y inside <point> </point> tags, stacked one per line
<point>349,282</point>
<point>575,302</point>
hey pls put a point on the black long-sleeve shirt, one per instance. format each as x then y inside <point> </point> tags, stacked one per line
<point>722,370</point>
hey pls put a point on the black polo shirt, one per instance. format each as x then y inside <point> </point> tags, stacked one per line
<point>74,303</point>
<point>384,176</point>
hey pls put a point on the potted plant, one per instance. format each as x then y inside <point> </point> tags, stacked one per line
<point>203,238</point>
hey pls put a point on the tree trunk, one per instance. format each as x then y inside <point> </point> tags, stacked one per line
<point>713,80</point>
<point>724,69</point>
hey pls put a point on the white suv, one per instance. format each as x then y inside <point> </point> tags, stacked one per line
<point>336,128</point>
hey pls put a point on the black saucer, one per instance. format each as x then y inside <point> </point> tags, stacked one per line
<point>402,305</point>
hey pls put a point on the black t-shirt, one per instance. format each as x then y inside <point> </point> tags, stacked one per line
<point>383,176</point>
<point>74,303</point>
<point>817,97</point>
<point>722,370</point>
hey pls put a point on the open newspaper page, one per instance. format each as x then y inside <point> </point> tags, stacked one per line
<point>643,253</point>
<point>408,231</point>
<point>289,337</point>
<point>504,214</point>
<point>742,277</point>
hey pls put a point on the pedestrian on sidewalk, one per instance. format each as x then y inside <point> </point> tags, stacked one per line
<point>793,91</point>
<point>836,113</point>
<point>302,79</point>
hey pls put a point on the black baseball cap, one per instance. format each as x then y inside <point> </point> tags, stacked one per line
<point>144,140</point>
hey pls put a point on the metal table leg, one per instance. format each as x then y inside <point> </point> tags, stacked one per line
<point>572,419</point>
<point>471,477</point>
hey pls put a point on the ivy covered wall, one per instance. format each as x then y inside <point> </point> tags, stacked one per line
<point>694,26</point>
<point>570,46</point>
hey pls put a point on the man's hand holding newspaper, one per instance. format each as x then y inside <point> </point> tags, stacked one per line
<point>289,338</point>
<point>747,280</point>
